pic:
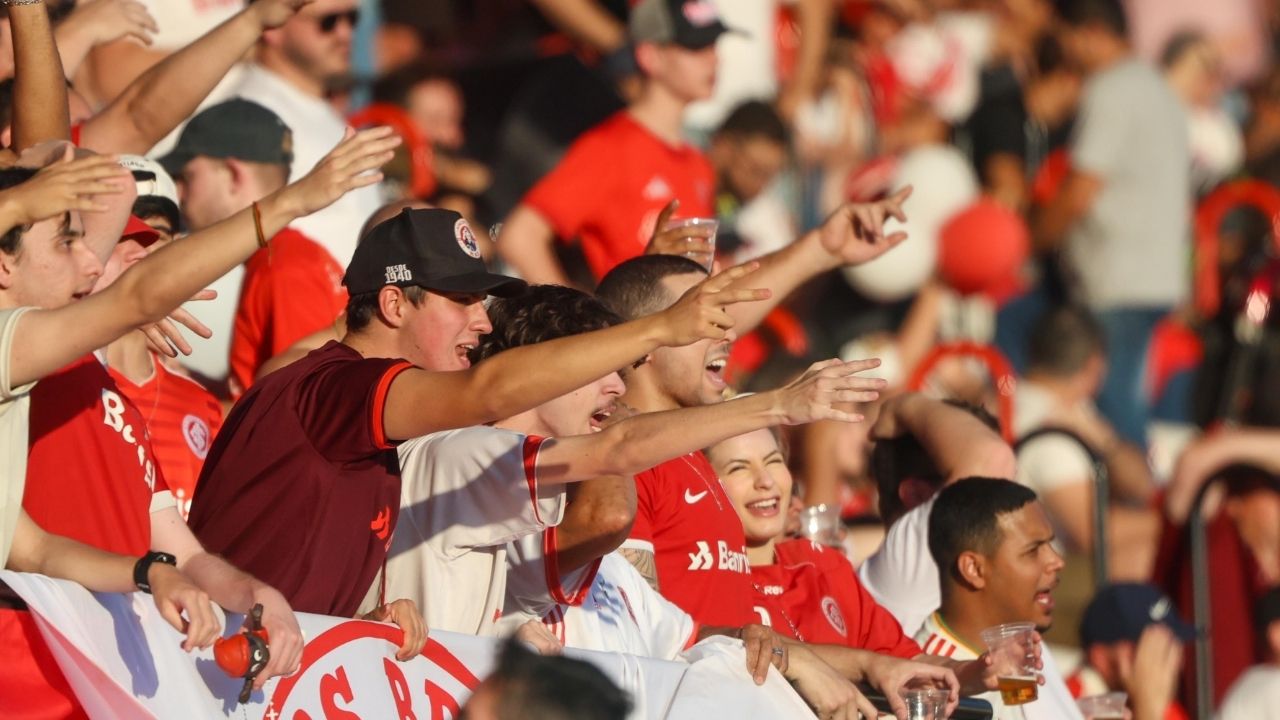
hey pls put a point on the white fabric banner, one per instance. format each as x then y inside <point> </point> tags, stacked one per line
<point>123,660</point>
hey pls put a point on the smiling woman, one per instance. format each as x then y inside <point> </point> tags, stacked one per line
<point>803,590</point>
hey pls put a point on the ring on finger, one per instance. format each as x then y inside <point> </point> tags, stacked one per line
<point>778,651</point>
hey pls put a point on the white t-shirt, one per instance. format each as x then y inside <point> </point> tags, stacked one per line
<point>901,575</point>
<point>619,612</point>
<point>317,128</point>
<point>15,407</point>
<point>182,21</point>
<point>1053,461</point>
<point>464,495</point>
<point>1255,695</point>
<point>1054,701</point>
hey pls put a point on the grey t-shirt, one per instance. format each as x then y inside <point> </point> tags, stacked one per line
<point>1132,247</point>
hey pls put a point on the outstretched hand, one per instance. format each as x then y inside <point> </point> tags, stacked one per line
<point>352,164</point>
<point>700,313</point>
<point>812,396</point>
<point>65,186</point>
<point>855,233</point>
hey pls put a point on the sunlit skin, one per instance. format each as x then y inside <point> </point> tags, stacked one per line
<point>439,333</point>
<point>53,266</point>
<point>693,375</point>
<point>688,75</point>
<point>755,476</point>
<point>322,56</point>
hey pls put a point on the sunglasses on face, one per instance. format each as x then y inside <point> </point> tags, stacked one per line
<point>329,22</point>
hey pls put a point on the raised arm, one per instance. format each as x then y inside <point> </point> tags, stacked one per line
<point>852,235</point>
<point>959,444</point>
<point>518,379</point>
<point>646,440</point>
<point>165,279</point>
<point>168,93</point>
<point>98,22</point>
<point>40,110</point>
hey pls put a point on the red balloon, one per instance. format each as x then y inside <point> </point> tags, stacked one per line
<point>982,248</point>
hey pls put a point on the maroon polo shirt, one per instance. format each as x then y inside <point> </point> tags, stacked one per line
<point>301,488</point>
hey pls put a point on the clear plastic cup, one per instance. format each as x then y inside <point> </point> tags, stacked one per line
<point>821,524</point>
<point>696,222</point>
<point>1012,648</point>
<point>1103,707</point>
<point>925,703</point>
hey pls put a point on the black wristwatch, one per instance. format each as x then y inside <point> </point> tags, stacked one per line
<point>143,566</point>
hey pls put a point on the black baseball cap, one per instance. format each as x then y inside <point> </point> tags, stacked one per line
<point>237,128</point>
<point>691,24</point>
<point>1121,611</point>
<point>433,249</point>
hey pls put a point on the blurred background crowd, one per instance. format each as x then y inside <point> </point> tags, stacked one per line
<point>1091,252</point>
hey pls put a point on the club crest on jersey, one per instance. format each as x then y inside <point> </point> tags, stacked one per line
<point>466,239</point>
<point>398,273</point>
<point>832,612</point>
<point>196,432</point>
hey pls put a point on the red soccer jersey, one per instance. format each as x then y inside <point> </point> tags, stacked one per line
<point>301,488</point>
<point>811,593</point>
<point>611,185</point>
<point>291,289</point>
<point>182,418</point>
<point>91,473</point>
<point>685,517</point>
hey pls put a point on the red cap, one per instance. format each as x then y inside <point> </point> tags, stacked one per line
<point>139,232</point>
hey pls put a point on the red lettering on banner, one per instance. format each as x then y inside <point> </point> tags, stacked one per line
<point>333,686</point>
<point>399,690</point>
<point>337,681</point>
<point>441,701</point>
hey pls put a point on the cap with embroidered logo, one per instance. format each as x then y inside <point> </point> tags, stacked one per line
<point>691,24</point>
<point>433,249</point>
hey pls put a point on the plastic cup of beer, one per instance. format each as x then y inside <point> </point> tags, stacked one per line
<point>925,703</point>
<point>1012,648</point>
<point>821,524</point>
<point>709,224</point>
<point>1103,707</point>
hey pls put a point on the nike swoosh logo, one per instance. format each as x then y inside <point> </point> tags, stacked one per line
<point>691,498</point>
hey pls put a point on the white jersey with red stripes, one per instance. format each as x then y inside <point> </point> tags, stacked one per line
<point>1054,701</point>
<point>617,612</point>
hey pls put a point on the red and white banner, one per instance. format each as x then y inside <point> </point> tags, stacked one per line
<point>124,661</point>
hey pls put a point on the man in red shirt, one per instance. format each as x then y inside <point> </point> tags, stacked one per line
<point>229,156</point>
<point>615,180</point>
<point>307,457</point>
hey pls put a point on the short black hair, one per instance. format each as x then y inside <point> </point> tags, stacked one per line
<point>363,307</point>
<point>966,518</point>
<point>634,289</point>
<point>1179,45</point>
<point>755,118</point>
<point>894,460</point>
<point>541,313</point>
<point>155,206</point>
<point>1106,13</point>
<point>1063,340</point>
<point>11,240</point>
<point>554,687</point>
<point>1051,57</point>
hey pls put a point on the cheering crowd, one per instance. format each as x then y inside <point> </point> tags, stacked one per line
<point>861,333</point>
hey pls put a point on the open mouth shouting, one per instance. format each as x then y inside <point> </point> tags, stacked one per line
<point>601,416</point>
<point>715,372</point>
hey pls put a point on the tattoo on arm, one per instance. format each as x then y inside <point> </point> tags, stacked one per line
<point>644,562</point>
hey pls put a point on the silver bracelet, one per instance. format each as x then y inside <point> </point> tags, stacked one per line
<point>11,3</point>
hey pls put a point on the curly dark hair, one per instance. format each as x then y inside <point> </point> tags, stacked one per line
<point>544,312</point>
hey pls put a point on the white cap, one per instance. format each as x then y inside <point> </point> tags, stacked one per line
<point>152,180</point>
